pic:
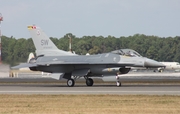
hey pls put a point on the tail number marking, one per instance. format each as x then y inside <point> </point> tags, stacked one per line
<point>44,42</point>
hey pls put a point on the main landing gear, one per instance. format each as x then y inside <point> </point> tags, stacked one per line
<point>71,82</point>
<point>89,82</point>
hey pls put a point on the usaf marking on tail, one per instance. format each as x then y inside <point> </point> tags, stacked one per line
<point>44,42</point>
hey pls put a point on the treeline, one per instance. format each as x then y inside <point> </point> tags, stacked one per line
<point>15,50</point>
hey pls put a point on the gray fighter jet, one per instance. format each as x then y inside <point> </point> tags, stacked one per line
<point>66,65</point>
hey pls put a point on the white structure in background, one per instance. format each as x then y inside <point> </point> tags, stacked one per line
<point>170,66</point>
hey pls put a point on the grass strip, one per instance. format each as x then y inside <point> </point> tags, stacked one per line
<point>89,104</point>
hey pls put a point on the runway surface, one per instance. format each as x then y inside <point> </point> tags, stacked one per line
<point>132,84</point>
<point>96,89</point>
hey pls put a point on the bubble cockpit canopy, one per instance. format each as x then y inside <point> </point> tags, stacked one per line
<point>127,52</point>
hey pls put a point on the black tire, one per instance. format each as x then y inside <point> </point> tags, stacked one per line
<point>89,82</point>
<point>161,70</point>
<point>119,84</point>
<point>70,82</point>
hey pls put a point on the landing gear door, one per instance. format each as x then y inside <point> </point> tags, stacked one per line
<point>80,72</point>
<point>57,76</point>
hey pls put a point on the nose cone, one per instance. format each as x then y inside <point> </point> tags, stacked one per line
<point>152,63</point>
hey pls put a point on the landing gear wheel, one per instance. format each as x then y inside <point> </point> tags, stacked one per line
<point>160,70</point>
<point>89,82</point>
<point>70,82</point>
<point>118,84</point>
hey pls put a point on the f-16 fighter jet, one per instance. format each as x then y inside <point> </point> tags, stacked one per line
<point>66,65</point>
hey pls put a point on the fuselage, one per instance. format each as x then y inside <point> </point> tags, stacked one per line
<point>99,64</point>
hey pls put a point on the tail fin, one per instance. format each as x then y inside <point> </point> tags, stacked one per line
<point>43,44</point>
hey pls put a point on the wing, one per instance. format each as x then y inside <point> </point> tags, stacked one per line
<point>84,63</point>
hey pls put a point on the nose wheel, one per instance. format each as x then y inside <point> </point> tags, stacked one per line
<point>118,83</point>
<point>89,82</point>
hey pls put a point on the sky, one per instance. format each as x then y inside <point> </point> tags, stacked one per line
<point>91,17</point>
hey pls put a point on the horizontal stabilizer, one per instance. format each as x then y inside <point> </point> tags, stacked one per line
<point>24,65</point>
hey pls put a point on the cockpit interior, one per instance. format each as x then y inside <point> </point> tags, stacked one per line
<point>127,52</point>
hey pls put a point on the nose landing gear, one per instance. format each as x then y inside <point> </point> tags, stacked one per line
<point>118,83</point>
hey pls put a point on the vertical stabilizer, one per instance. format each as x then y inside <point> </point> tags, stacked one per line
<point>43,44</point>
